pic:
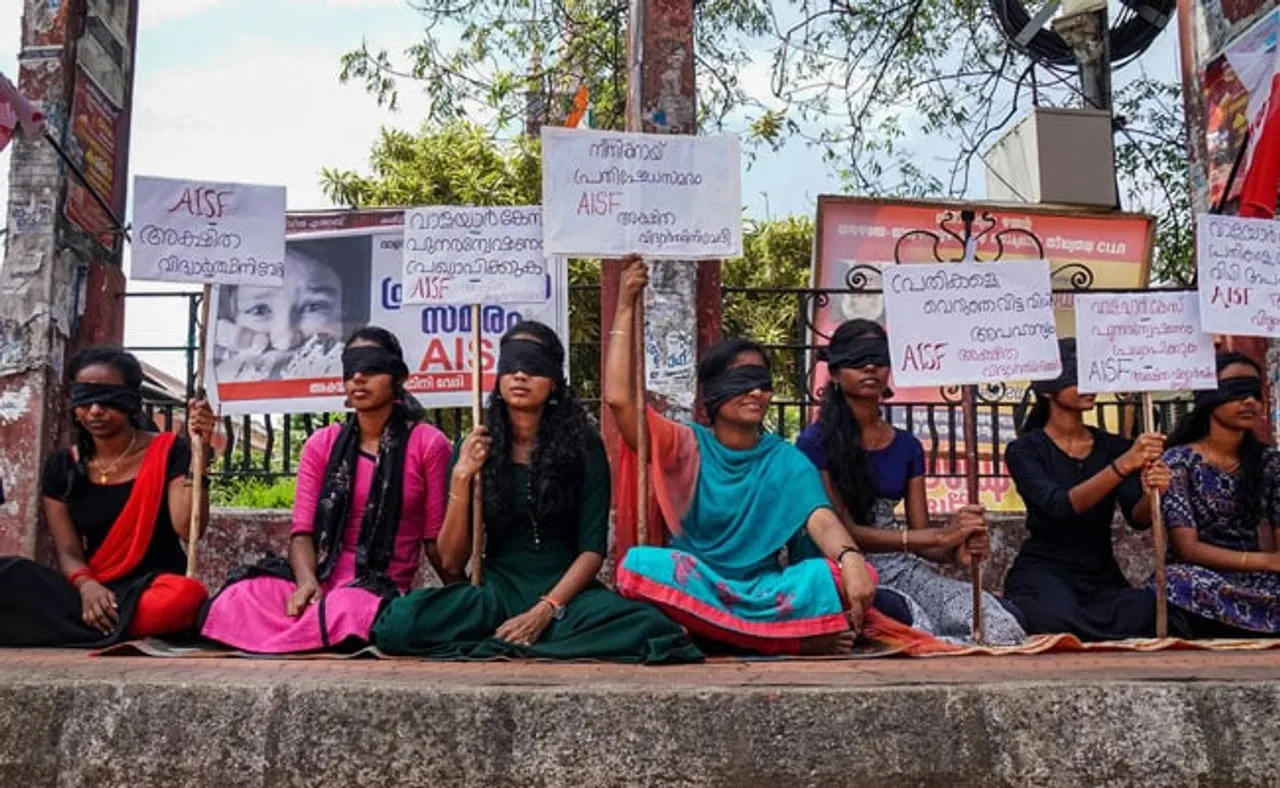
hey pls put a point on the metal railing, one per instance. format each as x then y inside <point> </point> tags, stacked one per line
<point>267,447</point>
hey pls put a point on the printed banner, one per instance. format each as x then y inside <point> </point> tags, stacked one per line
<point>1235,74</point>
<point>455,255</point>
<point>607,194</point>
<point>1238,271</point>
<point>1131,342</point>
<point>854,235</point>
<point>279,349</point>
<point>962,323</point>
<point>206,233</point>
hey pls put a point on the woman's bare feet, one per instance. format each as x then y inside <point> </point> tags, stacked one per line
<point>826,645</point>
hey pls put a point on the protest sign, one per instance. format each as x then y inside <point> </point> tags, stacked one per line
<point>1238,270</point>
<point>606,194</point>
<point>1131,342</point>
<point>279,350</point>
<point>455,255</point>
<point>204,233</point>
<point>962,323</point>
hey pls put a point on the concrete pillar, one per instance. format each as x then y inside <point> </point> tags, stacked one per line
<point>683,304</point>
<point>60,250</point>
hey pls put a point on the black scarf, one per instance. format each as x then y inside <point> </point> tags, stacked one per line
<point>381,511</point>
<point>734,383</point>
<point>125,399</point>
<point>1069,375</point>
<point>530,357</point>
<point>856,353</point>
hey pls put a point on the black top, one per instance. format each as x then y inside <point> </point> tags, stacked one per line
<point>95,507</point>
<point>1044,475</point>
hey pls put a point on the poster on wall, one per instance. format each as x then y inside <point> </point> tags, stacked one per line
<point>855,234</point>
<point>1235,80</point>
<point>279,349</point>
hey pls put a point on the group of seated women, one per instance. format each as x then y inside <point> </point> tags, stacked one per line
<point>771,547</point>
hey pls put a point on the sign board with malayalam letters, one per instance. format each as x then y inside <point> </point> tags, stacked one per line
<point>1131,342</point>
<point>607,194</point>
<point>455,255</point>
<point>207,233</point>
<point>1238,271</point>
<point>969,323</point>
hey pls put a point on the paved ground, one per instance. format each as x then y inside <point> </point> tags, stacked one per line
<point>63,665</point>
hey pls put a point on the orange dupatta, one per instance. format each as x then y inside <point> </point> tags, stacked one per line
<point>130,535</point>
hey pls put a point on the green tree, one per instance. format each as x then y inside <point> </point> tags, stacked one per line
<point>866,82</point>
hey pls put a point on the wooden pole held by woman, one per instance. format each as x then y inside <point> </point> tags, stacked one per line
<point>1159,543</point>
<point>642,427</point>
<point>969,405</point>
<point>477,418</point>
<point>198,458</point>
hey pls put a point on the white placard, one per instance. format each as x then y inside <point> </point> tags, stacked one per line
<point>1129,342</point>
<point>455,255</point>
<point>206,233</point>
<point>606,194</point>
<point>960,323</point>
<point>1238,270</point>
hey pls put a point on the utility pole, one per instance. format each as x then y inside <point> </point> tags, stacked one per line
<point>684,296</point>
<point>61,283</point>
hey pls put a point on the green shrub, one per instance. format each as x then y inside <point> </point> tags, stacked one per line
<point>254,493</point>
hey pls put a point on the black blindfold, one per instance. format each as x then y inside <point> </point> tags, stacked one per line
<point>125,399</point>
<point>856,353</point>
<point>1230,390</point>
<point>1069,376</point>
<point>734,383</point>
<point>531,358</point>
<point>370,361</point>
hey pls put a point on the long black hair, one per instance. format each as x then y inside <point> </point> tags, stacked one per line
<point>1195,425</point>
<point>848,463</point>
<point>413,410</point>
<point>559,454</point>
<point>130,370</point>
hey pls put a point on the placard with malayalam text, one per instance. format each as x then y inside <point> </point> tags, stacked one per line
<point>967,323</point>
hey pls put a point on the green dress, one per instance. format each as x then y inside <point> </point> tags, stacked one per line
<point>521,564</point>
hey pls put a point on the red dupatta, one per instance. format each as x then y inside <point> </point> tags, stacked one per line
<point>130,535</point>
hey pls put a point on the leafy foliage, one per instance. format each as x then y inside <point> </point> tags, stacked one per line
<point>872,84</point>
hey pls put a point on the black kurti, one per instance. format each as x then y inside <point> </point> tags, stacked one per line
<point>38,607</point>
<point>1065,578</point>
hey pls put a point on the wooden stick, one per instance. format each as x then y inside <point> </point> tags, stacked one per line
<point>1157,534</point>
<point>197,441</point>
<point>642,426</point>
<point>477,418</point>
<point>969,405</point>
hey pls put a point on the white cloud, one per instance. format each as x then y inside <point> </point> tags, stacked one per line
<point>154,15</point>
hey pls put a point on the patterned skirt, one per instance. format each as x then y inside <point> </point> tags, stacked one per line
<point>1244,600</point>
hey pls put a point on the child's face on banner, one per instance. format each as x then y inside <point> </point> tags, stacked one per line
<point>308,305</point>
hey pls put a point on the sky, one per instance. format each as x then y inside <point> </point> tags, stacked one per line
<point>248,91</point>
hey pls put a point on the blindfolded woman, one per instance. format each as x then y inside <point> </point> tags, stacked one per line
<point>1221,509</point>
<point>1072,477</point>
<point>118,504</point>
<point>733,499</point>
<point>869,466</point>
<point>546,523</point>
<point>370,493</point>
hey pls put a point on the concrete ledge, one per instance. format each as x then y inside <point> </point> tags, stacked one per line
<point>1115,720</point>
<point>238,536</point>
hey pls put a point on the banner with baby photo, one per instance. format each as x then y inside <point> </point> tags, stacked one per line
<point>279,349</point>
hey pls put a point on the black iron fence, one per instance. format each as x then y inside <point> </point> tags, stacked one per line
<point>266,447</point>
